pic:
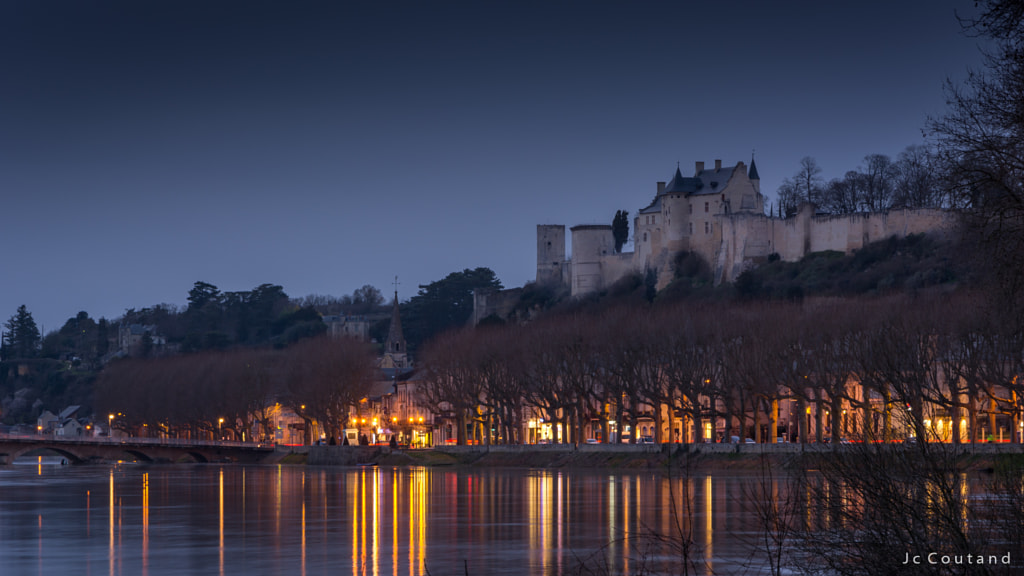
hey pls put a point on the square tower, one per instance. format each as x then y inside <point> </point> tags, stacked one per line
<point>550,253</point>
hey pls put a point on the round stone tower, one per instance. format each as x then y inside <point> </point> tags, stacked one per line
<point>590,245</point>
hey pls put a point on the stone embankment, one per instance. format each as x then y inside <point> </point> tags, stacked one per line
<point>624,456</point>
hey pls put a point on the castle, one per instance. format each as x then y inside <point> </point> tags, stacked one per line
<point>718,213</point>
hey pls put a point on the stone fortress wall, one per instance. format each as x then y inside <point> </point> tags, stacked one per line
<point>719,214</point>
<point>750,238</point>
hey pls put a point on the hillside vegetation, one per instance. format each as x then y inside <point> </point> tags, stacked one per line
<point>895,265</point>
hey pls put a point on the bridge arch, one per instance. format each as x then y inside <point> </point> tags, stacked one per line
<point>138,454</point>
<point>70,456</point>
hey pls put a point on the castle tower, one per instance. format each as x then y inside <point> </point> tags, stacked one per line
<point>590,244</point>
<point>394,347</point>
<point>550,253</point>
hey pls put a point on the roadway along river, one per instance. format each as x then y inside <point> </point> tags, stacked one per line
<point>254,520</point>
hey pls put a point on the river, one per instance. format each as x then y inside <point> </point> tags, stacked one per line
<point>130,519</point>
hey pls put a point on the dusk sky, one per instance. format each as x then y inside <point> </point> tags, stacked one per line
<point>327,145</point>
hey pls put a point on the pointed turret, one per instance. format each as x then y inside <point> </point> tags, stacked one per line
<point>682,185</point>
<point>754,177</point>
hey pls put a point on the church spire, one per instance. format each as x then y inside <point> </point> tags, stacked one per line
<point>395,342</point>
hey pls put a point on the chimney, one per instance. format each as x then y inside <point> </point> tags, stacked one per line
<point>661,187</point>
<point>718,165</point>
<point>700,168</point>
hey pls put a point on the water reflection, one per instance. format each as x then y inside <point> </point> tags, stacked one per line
<point>173,520</point>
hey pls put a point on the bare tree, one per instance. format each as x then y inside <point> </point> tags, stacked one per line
<point>452,387</point>
<point>326,377</point>
<point>980,143</point>
<point>917,184</point>
<point>878,177</point>
<point>552,357</point>
<point>842,195</point>
<point>806,185</point>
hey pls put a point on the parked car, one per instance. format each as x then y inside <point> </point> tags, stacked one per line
<point>593,441</point>
<point>645,440</point>
<point>749,441</point>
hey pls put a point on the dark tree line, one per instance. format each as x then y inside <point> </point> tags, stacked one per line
<point>365,300</point>
<point>263,315</point>
<point>81,340</point>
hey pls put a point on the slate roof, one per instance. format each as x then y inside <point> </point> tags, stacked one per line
<point>655,206</point>
<point>380,388</point>
<point>395,373</point>
<point>682,185</point>
<point>709,181</point>
<point>752,174</point>
<point>713,181</point>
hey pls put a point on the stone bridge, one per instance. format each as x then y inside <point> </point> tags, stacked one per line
<point>79,450</point>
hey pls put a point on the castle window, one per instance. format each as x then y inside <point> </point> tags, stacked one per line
<point>645,236</point>
<point>691,208</point>
<point>707,228</point>
<point>706,206</point>
<point>691,227</point>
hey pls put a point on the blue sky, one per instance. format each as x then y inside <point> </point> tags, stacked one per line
<point>327,145</point>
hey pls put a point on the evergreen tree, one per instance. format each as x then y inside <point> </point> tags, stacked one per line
<point>21,340</point>
<point>620,229</point>
<point>102,338</point>
<point>444,304</point>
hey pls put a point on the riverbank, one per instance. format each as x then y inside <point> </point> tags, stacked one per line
<point>668,457</point>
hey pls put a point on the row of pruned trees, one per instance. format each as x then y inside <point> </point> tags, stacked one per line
<point>876,368</point>
<point>318,379</point>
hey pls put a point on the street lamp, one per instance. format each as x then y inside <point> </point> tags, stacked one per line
<point>110,425</point>
<point>220,426</point>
